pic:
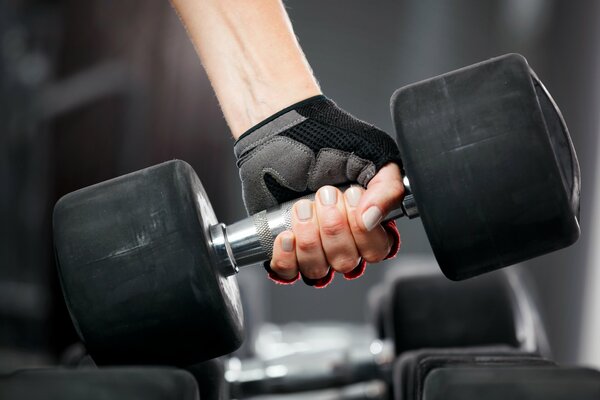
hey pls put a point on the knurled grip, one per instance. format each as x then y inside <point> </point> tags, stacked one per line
<point>272,222</point>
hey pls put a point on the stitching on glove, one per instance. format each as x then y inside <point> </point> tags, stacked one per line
<point>366,174</point>
<point>273,117</point>
<point>300,146</point>
<point>270,136</point>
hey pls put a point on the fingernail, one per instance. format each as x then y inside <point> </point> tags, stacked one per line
<point>353,196</point>
<point>372,217</point>
<point>328,196</point>
<point>304,210</point>
<point>287,243</point>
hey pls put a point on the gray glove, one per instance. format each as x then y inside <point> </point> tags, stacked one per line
<point>305,146</point>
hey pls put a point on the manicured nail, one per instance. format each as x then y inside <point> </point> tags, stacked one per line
<point>372,217</point>
<point>328,196</point>
<point>287,243</point>
<point>304,210</point>
<point>353,196</point>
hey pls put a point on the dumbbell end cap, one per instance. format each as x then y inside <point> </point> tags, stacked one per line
<point>491,164</point>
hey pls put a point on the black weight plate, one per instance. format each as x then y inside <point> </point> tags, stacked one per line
<point>428,311</point>
<point>561,144</point>
<point>515,383</point>
<point>477,150</point>
<point>99,384</point>
<point>136,269</point>
<point>210,376</point>
<point>411,368</point>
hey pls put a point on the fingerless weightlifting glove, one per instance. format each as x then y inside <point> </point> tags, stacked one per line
<point>305,146</point>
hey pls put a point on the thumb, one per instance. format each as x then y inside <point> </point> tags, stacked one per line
<point>384,193</point>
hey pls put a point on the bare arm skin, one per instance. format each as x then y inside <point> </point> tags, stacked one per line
<point>251,56</point>
<point>257,68</point>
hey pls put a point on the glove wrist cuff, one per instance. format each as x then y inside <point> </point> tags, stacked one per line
<point>301,103</point>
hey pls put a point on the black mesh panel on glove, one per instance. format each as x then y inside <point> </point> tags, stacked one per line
<point>305,146</point>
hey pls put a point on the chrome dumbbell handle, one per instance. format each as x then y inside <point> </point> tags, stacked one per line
<point>251,240</point>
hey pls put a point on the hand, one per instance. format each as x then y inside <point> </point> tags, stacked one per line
<point>313,146</point>
<point>335,231</point>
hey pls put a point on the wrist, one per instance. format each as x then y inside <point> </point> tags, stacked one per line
<point>267,99</point>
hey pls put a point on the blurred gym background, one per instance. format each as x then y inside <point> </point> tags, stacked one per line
<point>94,89</point>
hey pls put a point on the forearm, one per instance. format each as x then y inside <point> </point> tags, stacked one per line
<point>251,56</point>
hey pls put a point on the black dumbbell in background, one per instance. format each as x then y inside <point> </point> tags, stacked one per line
<point>416,307</point>
<point>123,383</point>
<point>486,318</point>
<point>412,368</point>
<point>500,383</point>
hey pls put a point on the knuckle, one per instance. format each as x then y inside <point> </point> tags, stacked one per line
<point>333,225</point>
<point>315,272</point>
<point>280,265</point>
<point>373,256</point>
<point>344,264</point>
<point>308,244</point>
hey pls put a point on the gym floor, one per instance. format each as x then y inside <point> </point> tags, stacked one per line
<point>92,90</point>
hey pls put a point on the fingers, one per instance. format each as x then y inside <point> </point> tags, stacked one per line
<point>336,238</point>
<point>384,193</point>
<point>373,245</point>
<point>283,263</point>
<point>312,262</point>
<point>337,229</point>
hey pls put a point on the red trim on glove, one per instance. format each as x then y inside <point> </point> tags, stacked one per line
<point>321,282</point>
<point>357,272</point>
<point>276,278</point>
<point>391,228</point>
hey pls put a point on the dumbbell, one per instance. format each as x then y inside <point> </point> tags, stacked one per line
<point>424,310</point>
<point>310,356</point>
<point>372,390</point>
<point>148,272</point>
<point>416,307</point>
<point>210,376</point>
<point>124,383</point>
<point>412,368</point>
<point>501,383</point>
